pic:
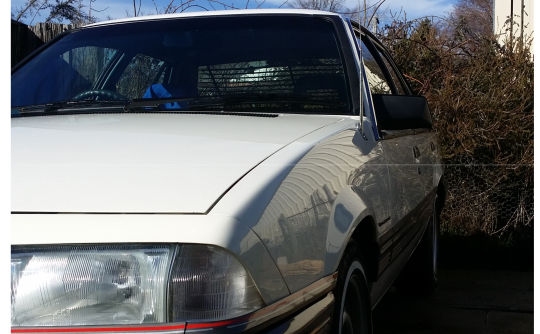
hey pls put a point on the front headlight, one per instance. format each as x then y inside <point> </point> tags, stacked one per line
<point>140,284</point>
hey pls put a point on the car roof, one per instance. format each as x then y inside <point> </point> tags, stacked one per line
<point>216,13</point>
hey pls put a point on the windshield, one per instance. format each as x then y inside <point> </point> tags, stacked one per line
<point>286,63</point>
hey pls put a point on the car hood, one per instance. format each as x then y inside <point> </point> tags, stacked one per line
<point>141,163</point>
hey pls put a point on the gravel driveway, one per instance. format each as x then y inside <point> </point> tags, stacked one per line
<point>479,302</point>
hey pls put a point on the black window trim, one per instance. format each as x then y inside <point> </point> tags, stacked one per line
<point>378,59</point>
<point>378,45</point>
<point>374,46</point>
<point>383,55</point>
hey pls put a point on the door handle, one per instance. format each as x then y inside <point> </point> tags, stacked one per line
<point>416,152</point>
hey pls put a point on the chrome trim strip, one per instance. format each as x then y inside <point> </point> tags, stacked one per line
<point>286,306</point>
<point>295,301</point>
<point>315,319</point>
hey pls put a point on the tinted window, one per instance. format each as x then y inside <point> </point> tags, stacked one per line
<point>59,74</point>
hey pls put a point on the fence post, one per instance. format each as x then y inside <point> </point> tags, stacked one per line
<point>25,39</point>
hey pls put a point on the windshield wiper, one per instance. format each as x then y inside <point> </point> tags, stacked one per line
<point>228,100</point>
<point>62,107</point>
<point>154,104</point>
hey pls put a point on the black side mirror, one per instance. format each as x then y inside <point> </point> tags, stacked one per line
<point>401,112</point>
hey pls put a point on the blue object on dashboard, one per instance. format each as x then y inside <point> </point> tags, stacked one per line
<point>170,90</point>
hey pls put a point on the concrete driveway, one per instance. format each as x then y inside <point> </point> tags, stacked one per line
<point>479,302</point>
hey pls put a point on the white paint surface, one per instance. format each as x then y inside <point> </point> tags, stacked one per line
<point>141,163</point>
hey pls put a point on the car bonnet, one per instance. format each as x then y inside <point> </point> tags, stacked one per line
<point>141,163</point>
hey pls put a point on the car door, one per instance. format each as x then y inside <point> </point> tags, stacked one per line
<point>425,149</point>
<point>407,157</point>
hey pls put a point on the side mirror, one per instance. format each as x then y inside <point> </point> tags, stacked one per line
<point>402,112</point>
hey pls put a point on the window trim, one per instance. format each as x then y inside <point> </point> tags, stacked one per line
<point>367,92</point>
<point>392,63</point>
<point>378,59</point>
<point>390,68</point>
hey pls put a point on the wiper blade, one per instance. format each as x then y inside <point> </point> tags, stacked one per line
<point>153,104</point>
<point>59,107</point>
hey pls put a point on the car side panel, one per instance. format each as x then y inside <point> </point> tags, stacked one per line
<point>436,160</point>
<point>425,159</point>
<point>316,207</point>
<point>411,180</point>
<point>399,259</point>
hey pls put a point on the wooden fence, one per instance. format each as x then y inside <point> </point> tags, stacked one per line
<point>25,39</point>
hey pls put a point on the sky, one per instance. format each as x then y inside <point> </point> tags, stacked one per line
<point>117,8</point>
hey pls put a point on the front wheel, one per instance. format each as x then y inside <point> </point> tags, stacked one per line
<point>352,313</point>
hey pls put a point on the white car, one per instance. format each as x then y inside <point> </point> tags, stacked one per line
<point>211,173</point>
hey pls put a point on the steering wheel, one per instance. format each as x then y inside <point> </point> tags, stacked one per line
<point>105,94</point>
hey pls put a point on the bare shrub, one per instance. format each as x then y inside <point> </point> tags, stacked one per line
<point>480,92</point>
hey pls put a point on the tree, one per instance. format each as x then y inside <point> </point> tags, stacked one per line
<point>179,6</point>
<point>365,14</point>
<point>71,11</point>
<point>336,6</point>
<point>471,17</point>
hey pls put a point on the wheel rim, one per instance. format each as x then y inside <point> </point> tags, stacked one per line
<point>352,312</point>
<point>347,325</point>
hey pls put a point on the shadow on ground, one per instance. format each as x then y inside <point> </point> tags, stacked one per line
<point>465,301</point>
<point>485,286</point>
<point>484,252</point>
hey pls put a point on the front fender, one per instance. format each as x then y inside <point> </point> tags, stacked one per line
<point>350,208</point>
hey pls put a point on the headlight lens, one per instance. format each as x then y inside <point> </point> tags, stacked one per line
<point>114,285</point>
<point>88,285</point>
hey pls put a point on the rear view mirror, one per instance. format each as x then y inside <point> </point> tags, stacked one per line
<point>401,112</point>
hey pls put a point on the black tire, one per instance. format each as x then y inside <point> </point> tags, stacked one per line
<point>419,276</point>
<point>352,311</point>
